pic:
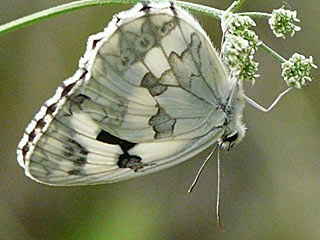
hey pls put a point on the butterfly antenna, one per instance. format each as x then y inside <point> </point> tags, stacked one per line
<point>201,168</point>
<point>232,96</point>
<point>222,41</point>
<point>218,192</point>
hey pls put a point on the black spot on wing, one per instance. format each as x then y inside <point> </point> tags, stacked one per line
<point>106,137</point>
<point>69,151</point>
<point>145,8</point>
<point>32,135</point>
<point>51,109</point>
<point>130,161</point>
<point>74,172</point>
<point>117,19</point>
<point>85,71</point>
<point>25,149</point>
<point>67,89</point>
<point>79,100</point>
<point>40,123</point>
<point>76,153</point>
<point>94,43</point>
<point>173,8</point>
<point>126,160</point>
<point>81,161</point>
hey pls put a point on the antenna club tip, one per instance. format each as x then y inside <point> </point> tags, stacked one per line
<point>220,227</point>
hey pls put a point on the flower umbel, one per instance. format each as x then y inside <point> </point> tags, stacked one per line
<point>283,21</point>
<point>238,55</point>
<point>239,26</point>
<point>296,71</point>
<point>239,46</point>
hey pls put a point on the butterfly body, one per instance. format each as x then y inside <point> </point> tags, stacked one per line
<point>150,92</point>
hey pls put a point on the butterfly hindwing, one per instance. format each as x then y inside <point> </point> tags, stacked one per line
<point>67,154</point>
<point>146,97</point>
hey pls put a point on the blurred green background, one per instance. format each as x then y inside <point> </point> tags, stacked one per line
<point>270,181</point>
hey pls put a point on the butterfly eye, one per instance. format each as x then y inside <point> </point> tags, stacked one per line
<point>230,141</point>
<point>232,138</point>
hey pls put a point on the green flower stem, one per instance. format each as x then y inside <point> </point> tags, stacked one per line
<point>255,14</point>
<point>235,6</point>
<point>27,20</point>
<point>216,13</point>
<point>209,11</point>
<point>64,8</point>
<point>272,53</point>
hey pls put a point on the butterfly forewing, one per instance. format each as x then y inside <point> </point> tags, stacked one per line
<point>146,97</point>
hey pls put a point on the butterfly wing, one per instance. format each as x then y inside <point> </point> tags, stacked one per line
<point>146,97</point>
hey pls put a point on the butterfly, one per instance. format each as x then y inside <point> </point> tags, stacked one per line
<point>151,91</point>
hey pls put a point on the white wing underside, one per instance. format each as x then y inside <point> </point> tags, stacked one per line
<point>148,87</point>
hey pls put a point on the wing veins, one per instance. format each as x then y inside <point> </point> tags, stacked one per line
<point>199,70</point>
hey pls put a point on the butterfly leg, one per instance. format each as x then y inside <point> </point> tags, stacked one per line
<point>275,102</point>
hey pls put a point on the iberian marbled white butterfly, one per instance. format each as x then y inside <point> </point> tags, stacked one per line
<point>150,92</point>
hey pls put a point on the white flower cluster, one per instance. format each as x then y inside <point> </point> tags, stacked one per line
<point>238,55</point>
<point>239,46</point>
<point>296,71</point>
<point>282,21</point>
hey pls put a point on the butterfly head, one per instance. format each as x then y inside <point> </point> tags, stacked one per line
<point>232,138</point>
